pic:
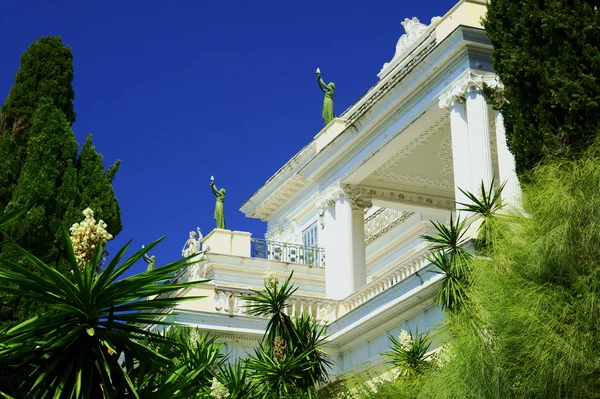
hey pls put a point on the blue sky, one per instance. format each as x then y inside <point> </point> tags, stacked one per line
<point>183,90</point>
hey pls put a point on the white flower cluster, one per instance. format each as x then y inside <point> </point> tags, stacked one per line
<point>218,390</point>
<point>86,235</point>
<point>442,356</point>
<point>405,340</point>
<point>270,278</point>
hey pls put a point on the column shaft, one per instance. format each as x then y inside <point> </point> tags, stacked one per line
<point>479,141</point>
<point>461,158</point>
<point>511,196</point>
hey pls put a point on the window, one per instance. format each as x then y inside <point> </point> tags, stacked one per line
<point>309,236</point>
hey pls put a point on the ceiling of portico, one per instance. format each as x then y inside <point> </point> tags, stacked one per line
<point>422,164</point>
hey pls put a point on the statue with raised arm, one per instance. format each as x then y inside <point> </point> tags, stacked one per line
<point>219,211</point>
<point>192,245</point>
<point>151,261</point>
<point>328,89</point>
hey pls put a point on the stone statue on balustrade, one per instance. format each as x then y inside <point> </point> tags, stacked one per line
<point>197,270</point>
<point>151,261</point>
<point>192,245</point>
<point>219,209</point>
<point>328,89</point>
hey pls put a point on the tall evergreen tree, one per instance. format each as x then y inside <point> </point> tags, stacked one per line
<point>39,164</point>
<point>547,53</point>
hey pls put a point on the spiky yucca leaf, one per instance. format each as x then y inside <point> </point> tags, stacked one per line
<point>74,351</point>
<point>487,206</point>
<point>237,381</point>
<point>450,238</point>
<point>452,293</point>
<point>272,303</point>
<point>412,360</point>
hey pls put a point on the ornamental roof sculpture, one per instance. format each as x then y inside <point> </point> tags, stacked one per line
<point>414,30</point>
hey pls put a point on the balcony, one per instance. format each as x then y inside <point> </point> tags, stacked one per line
<point>286,252</point>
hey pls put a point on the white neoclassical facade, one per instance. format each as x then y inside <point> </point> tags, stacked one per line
<point>346,213</point>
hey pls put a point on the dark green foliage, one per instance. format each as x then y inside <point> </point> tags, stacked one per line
<point>547,54</point>
<point>237,381</point>
<point>194,360</point>
<point>46,71</point>
<point>39,165</point>
<point>96,188</point>
<point>97,320</point>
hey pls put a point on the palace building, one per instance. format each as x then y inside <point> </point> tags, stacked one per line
<point>347,212</point>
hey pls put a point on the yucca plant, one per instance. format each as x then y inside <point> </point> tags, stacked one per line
<point>272,303</point>
<point>452,293</point>
<point>487,206</point>
<point>450,238</point>
<point>279,376</point>
<point>409,353</point>
<point>97,321</point>
<point>237,381</point>
<point>310,335</point>
<point>194,361</point>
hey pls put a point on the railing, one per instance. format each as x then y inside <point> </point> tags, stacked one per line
<point>386,281</point>
<point>382,221</point>
<point>228,301</point>
<point>285,252</point>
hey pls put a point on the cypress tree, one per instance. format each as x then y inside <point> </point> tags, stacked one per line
<point>547,53</point>
<point>96,188</point>
<point>39,164</point>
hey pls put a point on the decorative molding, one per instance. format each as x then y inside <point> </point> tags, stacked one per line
<point>420,180</point>
<point>281,195</point>
<point>274,231</point>
<point>386,171</point>
<point>445,154</point>
<point>413,29</point>
<point>466,82</point>
<point>404,197</point>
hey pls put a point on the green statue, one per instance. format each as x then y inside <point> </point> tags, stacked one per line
<point>151,261</point>
<point>219,211</point>
<point>328,89</point>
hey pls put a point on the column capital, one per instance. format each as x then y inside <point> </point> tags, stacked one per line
<point>466,82</point>
<point>337,191</point>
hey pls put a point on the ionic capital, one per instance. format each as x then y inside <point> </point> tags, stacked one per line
<point>465,83</point>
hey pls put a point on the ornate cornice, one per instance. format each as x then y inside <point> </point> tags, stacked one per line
<point>468,81</point>
<point>430,201</point>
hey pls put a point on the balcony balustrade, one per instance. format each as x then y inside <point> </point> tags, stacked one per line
<point>286,252</point>
<point>228,300</point>
<point>382,221</point>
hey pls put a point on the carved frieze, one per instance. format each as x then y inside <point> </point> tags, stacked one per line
<point>372,193</point>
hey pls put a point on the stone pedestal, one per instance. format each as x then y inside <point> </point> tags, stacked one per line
<point>227,242</point>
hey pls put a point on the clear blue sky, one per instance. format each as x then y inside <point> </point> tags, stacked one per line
<point>184,89</point>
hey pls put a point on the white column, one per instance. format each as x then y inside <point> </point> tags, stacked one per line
<point>344,243</point>
<point>511,195</point>
<point>479,140</point>
<point>461,158</point>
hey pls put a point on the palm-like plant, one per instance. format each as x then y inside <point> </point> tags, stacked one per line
<point>96,320</point>
<point>487,206</point>
<point>272,303</point>
<point>279,376</point>
<point>194,359</point>
<point>452,293</point>
<point>450,238</point>
<point>237,381</point>
<point>410,357</point>
<point>309,335</point>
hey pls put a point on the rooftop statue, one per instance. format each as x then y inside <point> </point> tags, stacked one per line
<point>328,89</point>
<point>192,245</point>
<point>219,211</point>
<point>151,261</point>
